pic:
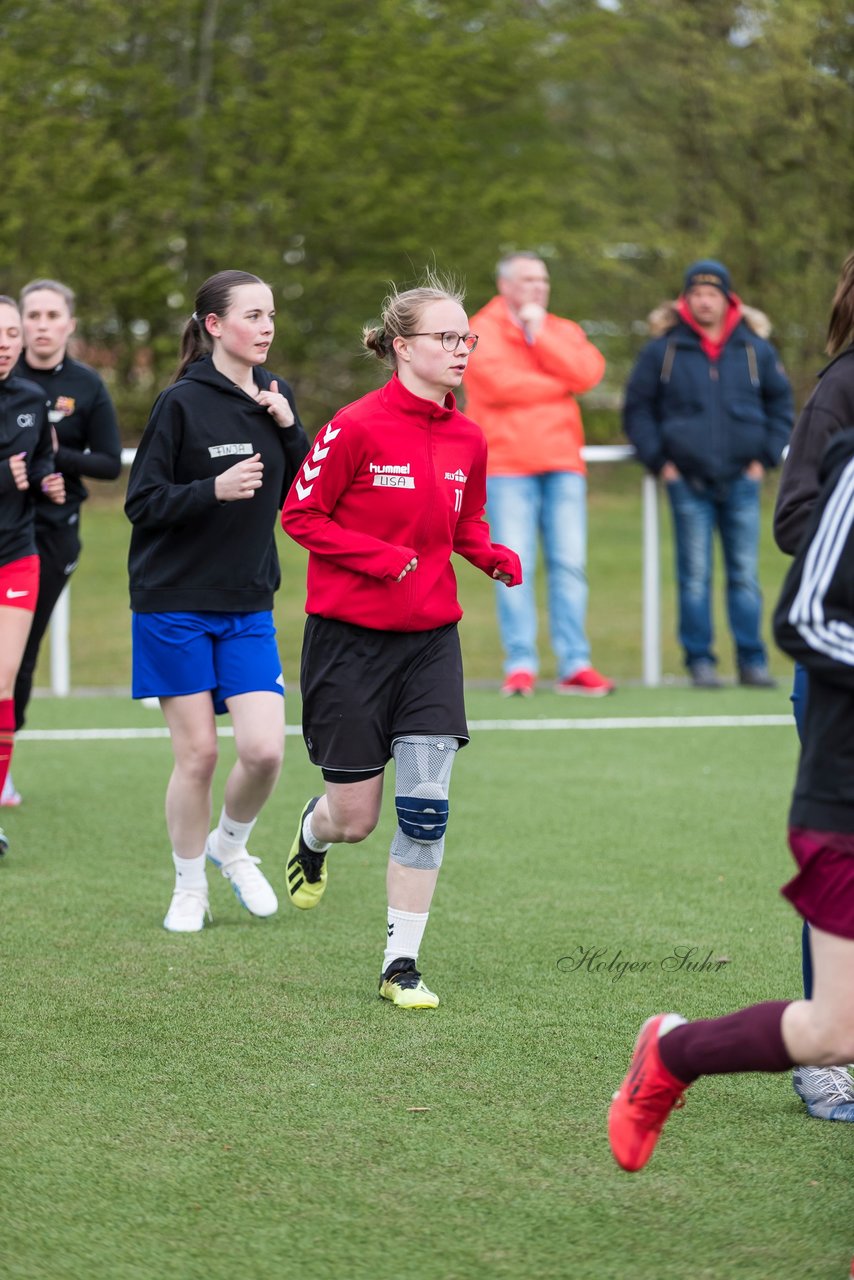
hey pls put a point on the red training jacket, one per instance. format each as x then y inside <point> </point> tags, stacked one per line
<point>393,476</point>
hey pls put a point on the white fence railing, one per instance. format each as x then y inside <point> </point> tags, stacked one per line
<point>60,626</point>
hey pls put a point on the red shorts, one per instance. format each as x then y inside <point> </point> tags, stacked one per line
<point>19,584</point>
<point>823,890</point>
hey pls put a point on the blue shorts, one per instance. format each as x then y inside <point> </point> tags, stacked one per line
<point>175,654</point>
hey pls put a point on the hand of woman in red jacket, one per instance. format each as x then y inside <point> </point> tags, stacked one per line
<point>413,564</point>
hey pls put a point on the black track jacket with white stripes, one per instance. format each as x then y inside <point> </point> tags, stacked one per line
<point>814,623</point>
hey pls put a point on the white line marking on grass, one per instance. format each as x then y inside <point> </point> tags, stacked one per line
<point>488,726</point>
<point>640,722</point>
<point>106,735</point>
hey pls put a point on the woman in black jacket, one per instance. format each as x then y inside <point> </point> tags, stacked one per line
<point>86,441</point>
<point>813,623</point>
<point>26,476</point>
<point>827,1091</point>
<point>217,457</point>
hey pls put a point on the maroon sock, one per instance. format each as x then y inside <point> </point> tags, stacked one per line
<point>7,736</point>
<point>749,1040</point>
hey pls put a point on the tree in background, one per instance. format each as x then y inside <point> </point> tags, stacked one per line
<point>331,148</point>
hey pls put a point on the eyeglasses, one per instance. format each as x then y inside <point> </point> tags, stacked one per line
<point>450,341</point>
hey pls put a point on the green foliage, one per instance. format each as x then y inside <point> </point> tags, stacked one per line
<point>334,147</point>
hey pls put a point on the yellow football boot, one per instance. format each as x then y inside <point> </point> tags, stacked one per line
<point>306,871</point>
<point>402,985</point>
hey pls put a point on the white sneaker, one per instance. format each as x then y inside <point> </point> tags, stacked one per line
<point>252,889</point>
<point>10,797</point>
<point>827,1091</point>
<point>187,911</point>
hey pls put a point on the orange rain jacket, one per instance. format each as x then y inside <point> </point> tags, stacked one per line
<point>522,395</point>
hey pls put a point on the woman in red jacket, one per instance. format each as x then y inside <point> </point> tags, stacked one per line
<point>394,484</point>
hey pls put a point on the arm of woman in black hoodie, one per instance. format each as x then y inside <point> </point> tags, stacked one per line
<point>154,499</point>
<point>295,444</point>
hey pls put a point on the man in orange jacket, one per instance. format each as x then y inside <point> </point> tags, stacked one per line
<point>520,389</point>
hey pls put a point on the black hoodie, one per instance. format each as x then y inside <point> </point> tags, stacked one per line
<point>24,428</point>
<point>814,623</point>
<point>82,414</point>
<point>189,551</point>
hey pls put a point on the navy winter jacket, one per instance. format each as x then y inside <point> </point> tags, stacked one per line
<point>710,418</point>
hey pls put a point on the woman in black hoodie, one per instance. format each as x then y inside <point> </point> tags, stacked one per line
<point>827,1091</point>
<point>217,457</point>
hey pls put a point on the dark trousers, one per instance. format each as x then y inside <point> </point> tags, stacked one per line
<point>59,549</point>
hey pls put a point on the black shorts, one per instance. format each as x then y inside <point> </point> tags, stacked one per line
<point>362,689</point>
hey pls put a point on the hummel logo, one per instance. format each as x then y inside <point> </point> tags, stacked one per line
<point>390,930</point>
<point>14,595</point>
<point>390,469</point>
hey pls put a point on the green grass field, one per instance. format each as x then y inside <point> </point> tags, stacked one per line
<point>240,1103</point>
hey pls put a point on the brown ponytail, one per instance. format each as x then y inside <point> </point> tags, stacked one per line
<point>840,328</point>
<point>214,297</point>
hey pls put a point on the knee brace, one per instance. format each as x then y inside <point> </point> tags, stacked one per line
<point>422,776</point>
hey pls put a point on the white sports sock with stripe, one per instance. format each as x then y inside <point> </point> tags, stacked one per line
<point>231,836</point>
<point>190,872</point>
<point>405,931</point>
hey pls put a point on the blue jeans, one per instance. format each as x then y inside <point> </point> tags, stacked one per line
<point>551,506</point>
<point>735,514</point>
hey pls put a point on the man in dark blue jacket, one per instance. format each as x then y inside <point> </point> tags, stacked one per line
<point>709,409</point>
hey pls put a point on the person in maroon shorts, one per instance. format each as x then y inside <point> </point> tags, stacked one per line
<point>26,476</point>
<point>813,623</point>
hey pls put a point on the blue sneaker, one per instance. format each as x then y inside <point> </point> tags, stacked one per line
<point>827,1091</point>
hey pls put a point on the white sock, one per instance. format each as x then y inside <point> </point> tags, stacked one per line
<point>190,872</point>
<point>405,931</point>
<point>232,836</point>
<point>316,846</point>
